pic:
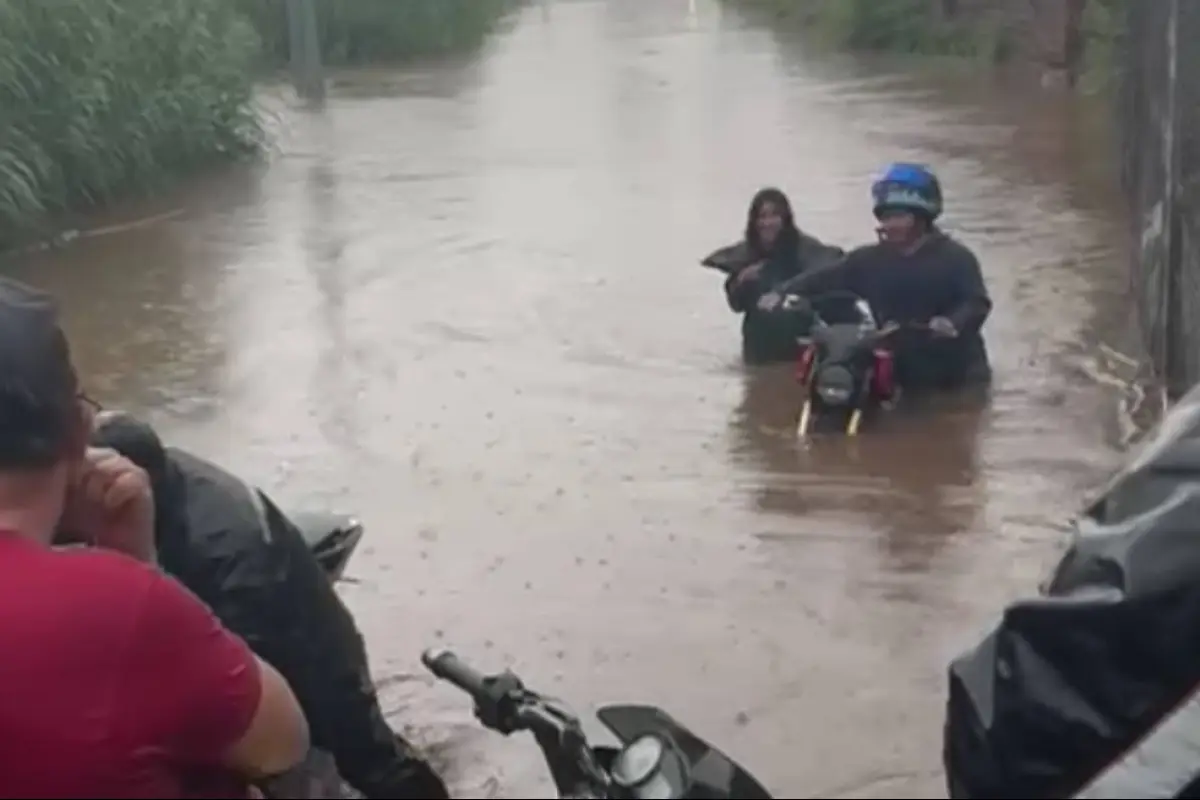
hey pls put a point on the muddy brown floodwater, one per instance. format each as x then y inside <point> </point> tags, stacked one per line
<point>463,302</point>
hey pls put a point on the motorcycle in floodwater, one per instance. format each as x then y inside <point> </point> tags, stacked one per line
<point>658,758</point>
<point>845,366</point>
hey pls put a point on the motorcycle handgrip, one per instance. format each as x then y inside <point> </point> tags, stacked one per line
<point>446,665</point>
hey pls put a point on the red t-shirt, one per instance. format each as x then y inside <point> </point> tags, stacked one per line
<point>114,680</point>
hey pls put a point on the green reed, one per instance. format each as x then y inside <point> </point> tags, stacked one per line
<point>898,26</point>
<point>103,98</point>
<point>99,98</point>
<point>374,31</point>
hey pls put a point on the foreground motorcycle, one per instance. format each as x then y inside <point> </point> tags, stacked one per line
<point>845,365</point>
<point>658,759</point>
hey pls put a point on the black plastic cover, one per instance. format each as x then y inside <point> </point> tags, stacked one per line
<point>728,259</point>
<point>231,546</point>
<point>1089,690</point>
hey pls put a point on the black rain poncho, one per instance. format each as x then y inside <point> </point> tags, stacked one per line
<point>264,584</point>
<point>1092,690</point>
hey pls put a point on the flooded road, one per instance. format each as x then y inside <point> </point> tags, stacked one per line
<point>463,302</point>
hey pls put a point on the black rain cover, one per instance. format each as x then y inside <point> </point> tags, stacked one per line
<point>1088,690</point>
<point>232,547</point>
<point>728,259</point>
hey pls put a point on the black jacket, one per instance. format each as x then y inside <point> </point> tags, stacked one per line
<point>233,548</point>
<point>941,279</point>
<point>769,336</point>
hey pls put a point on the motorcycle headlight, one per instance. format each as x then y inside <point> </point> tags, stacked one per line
<point>646,769</point>
<point>835,385</point>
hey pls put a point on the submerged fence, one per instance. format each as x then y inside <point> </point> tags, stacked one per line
<point>1159,107</point>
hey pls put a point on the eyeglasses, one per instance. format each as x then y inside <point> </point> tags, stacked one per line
<point>87,400</point>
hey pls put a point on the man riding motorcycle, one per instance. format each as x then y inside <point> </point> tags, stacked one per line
<point>233,548</point>
<point>917,277</point>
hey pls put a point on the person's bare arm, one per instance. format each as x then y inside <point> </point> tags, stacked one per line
<point>222,706</point>
<point>277,738</point>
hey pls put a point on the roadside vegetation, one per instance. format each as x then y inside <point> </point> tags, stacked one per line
<point>899,26</point>
<point>374,31</point>
<point>1105,24</point>
<point>101,97</point>
<point>105,98</point>
<point>928,27</point>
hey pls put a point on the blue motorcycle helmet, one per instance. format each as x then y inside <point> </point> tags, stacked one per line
<point>907,187</point>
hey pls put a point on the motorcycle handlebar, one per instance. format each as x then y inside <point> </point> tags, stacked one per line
<point>579,771</point>
<point>449,667</point>
<point>504,705</point>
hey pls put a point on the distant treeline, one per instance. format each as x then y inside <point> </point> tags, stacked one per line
<point>991,31</point>
<point>99,98</point>
<point>365,31</point>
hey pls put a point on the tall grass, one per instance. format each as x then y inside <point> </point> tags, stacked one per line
<point>920,27</point>
<point>1105,27</point>
<point>372,31</point>
<point>101,97</point>
<point>901,26</point>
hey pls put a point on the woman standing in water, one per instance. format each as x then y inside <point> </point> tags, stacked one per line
<point>772,252</point>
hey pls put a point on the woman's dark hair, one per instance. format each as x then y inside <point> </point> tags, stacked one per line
<point>789,238</point>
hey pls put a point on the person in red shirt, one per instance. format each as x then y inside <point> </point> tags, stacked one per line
<point>115,682</point>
